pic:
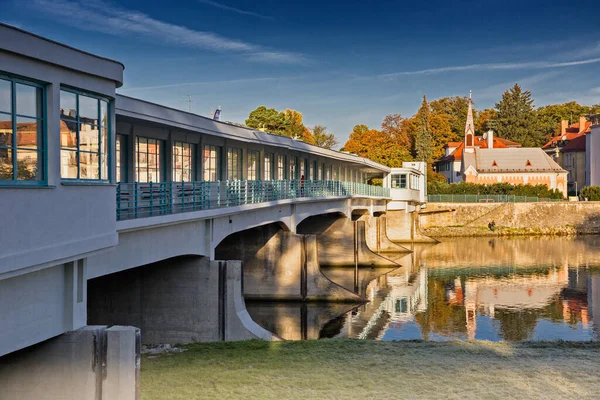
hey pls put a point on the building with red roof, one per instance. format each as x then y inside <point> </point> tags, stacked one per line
<point>489,160</point>
<point>568,150</point>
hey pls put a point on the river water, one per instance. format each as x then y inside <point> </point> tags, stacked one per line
<point>511,289</point>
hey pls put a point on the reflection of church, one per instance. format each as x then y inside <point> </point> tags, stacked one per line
<point>559,293</point>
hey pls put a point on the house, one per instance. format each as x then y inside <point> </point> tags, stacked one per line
<point>450,164</point>
<point>568,150</point>
<point>592,149</point>
<point>514,165</point>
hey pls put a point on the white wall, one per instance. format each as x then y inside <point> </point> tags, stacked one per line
<point>592,158</point>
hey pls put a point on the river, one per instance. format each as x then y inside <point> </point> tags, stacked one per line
<point>513,289</point>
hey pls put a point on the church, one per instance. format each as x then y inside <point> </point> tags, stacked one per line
<point>495,160</point>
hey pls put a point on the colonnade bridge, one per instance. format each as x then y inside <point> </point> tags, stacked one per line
<point>189,191</point>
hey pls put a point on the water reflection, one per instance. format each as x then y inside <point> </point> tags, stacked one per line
<point>491,289</point>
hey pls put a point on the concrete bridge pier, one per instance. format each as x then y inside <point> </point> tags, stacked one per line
<point>282,266</point>
<point>180,300</point>
<point>376,235</point>
<point>343,242</point>
<point>403,227</point>
<point>91,363</point>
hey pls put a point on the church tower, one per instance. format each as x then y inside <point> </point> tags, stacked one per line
<point>470,128</point>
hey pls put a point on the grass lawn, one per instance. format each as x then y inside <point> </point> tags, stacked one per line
<point>353,369</point>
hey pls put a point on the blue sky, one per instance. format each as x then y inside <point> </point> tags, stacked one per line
<point>340,63</point>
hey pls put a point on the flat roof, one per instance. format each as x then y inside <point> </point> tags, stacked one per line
<point>152,112</point>
<point>21,42</point>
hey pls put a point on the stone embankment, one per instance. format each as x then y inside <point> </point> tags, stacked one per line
<point>472,219</point>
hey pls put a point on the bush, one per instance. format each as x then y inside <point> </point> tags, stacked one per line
<point>592,193</point>
<point>496,188</point>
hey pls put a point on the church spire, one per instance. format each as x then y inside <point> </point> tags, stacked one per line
<point>470,127</point>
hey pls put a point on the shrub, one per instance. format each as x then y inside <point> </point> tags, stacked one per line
<point>592,193</point>
<point>496,188</point>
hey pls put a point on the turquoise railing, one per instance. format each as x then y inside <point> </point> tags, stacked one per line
<point>486,198</point>
<point>139,200</point>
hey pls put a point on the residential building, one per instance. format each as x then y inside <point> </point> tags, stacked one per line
<point>450,164</point>
<point>516,165</point>
<point>568,150</point>
<point>592,149</point>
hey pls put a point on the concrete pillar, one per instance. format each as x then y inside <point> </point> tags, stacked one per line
<point>342,242</point>
<point>92,363</point>
<point>180,300</point>
<point>403,227</point>
<point>122,380</point>
<point>377,238</point>
<point>280,265</point>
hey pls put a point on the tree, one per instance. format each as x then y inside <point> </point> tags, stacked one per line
<point>322,138</point>
<point>394,126</point>
<point>268,119</point>
<point>517,118</point>
<point>455,108</point>
<point>286,123</point>
<point>485,121</point>
<point>377,146</point>
<point>550,116</point>
<point>441,133</point>
<point>423,141</point>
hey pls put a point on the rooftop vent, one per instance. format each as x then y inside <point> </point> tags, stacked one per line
<point>528,164</point>
<point>494,164</point>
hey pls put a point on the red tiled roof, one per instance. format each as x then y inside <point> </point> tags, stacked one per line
<point>577,144</point>
<point>453,144</point>
<point>499,143</point>
<point>571,133</point>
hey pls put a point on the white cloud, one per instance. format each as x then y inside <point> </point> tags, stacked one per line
<point>232,9</point>
<point>492,67</point>
<point>101,16</point>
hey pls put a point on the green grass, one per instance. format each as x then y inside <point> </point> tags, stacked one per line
<point>352,369</point>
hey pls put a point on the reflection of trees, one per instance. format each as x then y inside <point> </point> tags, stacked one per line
<point>516,325</point>
<point>440,317</point>
<point>23,169</point>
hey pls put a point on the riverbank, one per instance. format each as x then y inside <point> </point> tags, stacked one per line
<point>331,369</point>
<point>511,219</point>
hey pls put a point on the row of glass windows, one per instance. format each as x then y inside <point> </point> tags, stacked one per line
<point>149,163</point>
<point>402,181</point>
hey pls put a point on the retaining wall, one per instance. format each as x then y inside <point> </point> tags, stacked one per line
<point>471,219</point>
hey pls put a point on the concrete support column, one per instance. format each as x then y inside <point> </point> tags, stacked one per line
<point>377,238</point>
<point>92,363</point>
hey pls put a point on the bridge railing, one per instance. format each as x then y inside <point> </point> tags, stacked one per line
<point>139,200</point>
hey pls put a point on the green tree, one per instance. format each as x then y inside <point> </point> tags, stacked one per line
<point>485,121</point>
<point>423,140</point>
<point>517,119</point>
<point>323,138</point>
<point>455,108</point>
<point>268,119</point>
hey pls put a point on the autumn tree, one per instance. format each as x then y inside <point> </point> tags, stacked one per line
<point>423,140</point>
<point>377,146</point>
<point>517,118</point>
<point>394,126</point>
<point>322,138</point>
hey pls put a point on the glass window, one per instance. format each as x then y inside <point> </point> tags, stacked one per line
<point>121,158</point>
<point>268,167</point>
<point>148,167</point>
<point>402,181</point>
<point>183,162</point>
<point>280,167</point>
<point>311,173</point>
<point>293,168</point>
<point>211,160</point>
<point>234,164</point>
<point>321,172</point>
<point>253,173</point>
<point>303,168</point>
<point>83,136</point>
<point>21,131</point>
